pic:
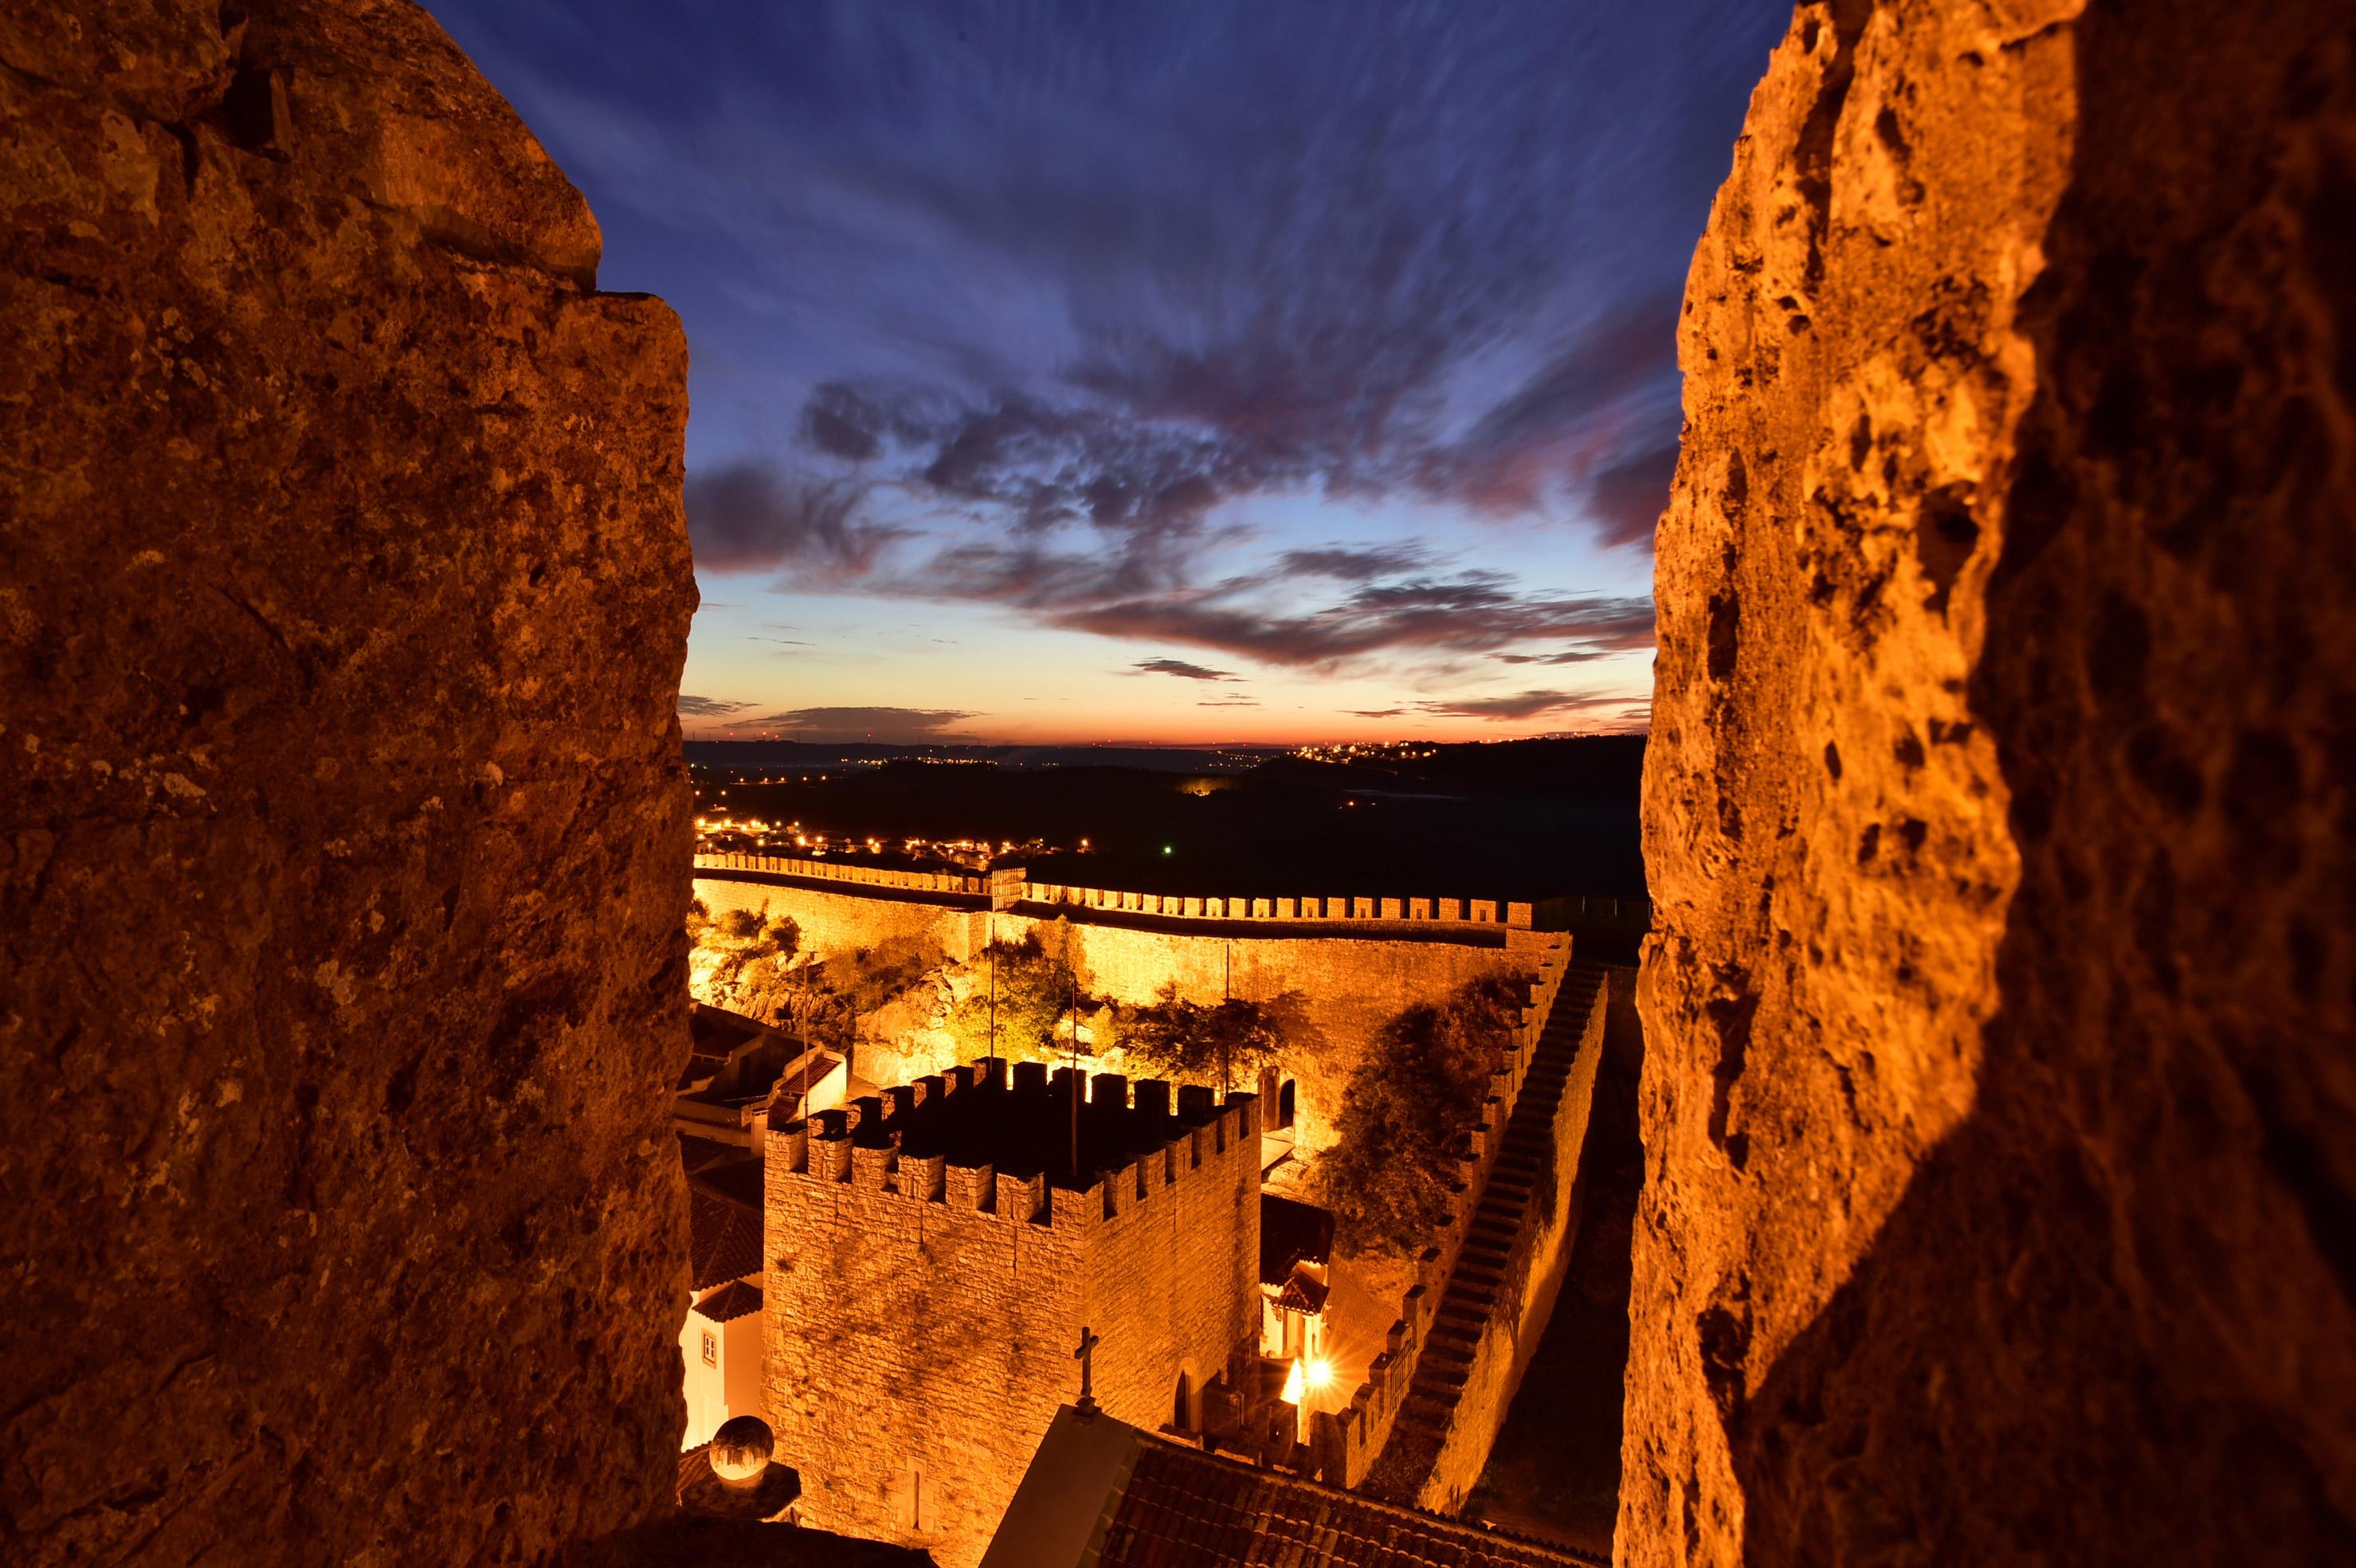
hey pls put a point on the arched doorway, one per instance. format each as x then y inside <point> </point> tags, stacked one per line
<point>1286,1103</point>
<point>1182,1405</point>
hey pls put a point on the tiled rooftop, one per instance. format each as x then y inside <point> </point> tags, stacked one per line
<point>1182,1508</point>
<point>732,1301</point>
<point>724,1222</point>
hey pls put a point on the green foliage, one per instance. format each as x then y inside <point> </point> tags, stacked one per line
<point>1407,1115</point>
<point>870,977</point>
<point>782,936</point>
<point>752,958</point>
<point>834,992</point>
<point>1213,1042</point>
<point>1034,990</point>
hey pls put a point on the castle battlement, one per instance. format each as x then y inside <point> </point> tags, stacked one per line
<point>1006,887</point>
<point>999,1139</point>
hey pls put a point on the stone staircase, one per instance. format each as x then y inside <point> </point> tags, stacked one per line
<point>1493,1245</point>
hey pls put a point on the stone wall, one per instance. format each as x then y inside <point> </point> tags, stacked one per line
<point>922,1323</point>
<point>1534,1273</point>
<point>1351,984</point>
<point>1347,1441</point>
<point>1997,1100</point>
<point>341,981</point>
<point>846,921</point>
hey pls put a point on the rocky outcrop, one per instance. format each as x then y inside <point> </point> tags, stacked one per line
<point>341,970</point>
<point>1998,1101</point>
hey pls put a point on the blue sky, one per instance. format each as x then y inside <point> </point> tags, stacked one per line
<point>1163,372</point>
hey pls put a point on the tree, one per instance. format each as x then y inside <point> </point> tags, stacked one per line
<point>783,936</point>
<point>1213,1042</point>
<point>1408,1114</point>
<point>1035,989</point>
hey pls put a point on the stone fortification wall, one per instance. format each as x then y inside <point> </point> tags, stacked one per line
<point>1998,1105</point>
<point>839,921</point>
<point>1357,909</point>
<point>1346,1440</point>
<point>1351,986</point>
<point>876,877</point>
<point>341,981</point>
<point>922,1316</point>
<point>1355,970</point>
<point>1533,1278</point>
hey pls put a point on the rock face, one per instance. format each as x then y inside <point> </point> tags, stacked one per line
<point>2000,1181</point>
<point>345,595</point>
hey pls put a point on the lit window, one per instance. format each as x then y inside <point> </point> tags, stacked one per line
<point>711,1349</point>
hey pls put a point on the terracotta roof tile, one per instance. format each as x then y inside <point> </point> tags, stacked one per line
<point>733,1300</point>
<point>724,1237</point>
<point>1182,1508</point>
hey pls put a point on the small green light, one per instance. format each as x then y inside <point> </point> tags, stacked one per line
<point>1165,849</point>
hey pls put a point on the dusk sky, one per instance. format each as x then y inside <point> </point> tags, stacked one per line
<point>1176,373</point>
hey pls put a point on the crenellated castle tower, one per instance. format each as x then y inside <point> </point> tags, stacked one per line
<point>936,1252</point>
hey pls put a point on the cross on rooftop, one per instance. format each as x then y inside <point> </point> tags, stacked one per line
<point>1089,1342</point>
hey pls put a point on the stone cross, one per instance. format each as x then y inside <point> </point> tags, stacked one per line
<point>1089,1342</point>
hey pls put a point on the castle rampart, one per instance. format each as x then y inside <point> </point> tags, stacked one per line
<point>1346,1440</point>
<point>1353,972</point>
<point>1008,889</point>
<point>937,1251</point>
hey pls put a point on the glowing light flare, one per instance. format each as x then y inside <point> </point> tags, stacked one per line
<point>1293,1385</point>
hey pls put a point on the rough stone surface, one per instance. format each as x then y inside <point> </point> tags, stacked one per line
<point>2001,1183</point>
<point>921,1341</point>
<point>344,590</point>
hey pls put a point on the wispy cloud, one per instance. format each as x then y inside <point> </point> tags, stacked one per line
<point>746,517</point>
<point>1525,706</point>
<point>709,707</point>
<point>1178,667</point>
<point>999,305</point>
<point>1355,564</point>
<point>1567,656</point>
<point>889,725</point>
<point>1473,612</point>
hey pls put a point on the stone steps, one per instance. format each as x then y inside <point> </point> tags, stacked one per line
<point>1470,1296</point>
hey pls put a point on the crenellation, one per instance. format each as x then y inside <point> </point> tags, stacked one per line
<point>971,1196</point>
<point>1019,1197</point>
<point>923,1176</point>
<point>788,1147</point>
<point>873,1165</point>
<point>973,1188</point>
